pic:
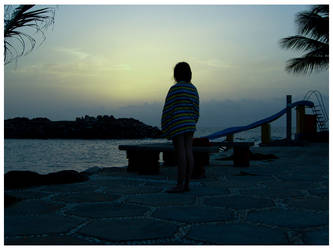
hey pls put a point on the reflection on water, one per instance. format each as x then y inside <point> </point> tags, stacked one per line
<point>45,156</point>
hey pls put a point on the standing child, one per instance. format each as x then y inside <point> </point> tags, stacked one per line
<point>179,118</point>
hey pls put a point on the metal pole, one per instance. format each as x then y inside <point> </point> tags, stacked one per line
<point>288,118</point>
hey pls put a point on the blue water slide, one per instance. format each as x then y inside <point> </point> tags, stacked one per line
<point>269,119</point>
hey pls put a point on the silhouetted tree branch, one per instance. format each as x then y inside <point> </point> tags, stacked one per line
<point>313,38</point>
<point>19,21</point>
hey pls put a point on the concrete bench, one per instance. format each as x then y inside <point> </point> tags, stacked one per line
<point>144,158</point>
<point>241,151</point>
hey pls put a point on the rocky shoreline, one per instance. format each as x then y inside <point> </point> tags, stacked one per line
<point>101,127</point>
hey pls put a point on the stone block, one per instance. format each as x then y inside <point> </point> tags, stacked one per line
<point>239,202</point>
<point>317,237</point>
<point>49,240</point>
<point>33,207</point>
<point>273,193</point>
<point>122,189</point>
<point>80,187</point>
<point>203,191</point>
<point>106,210</point>
<point>129,229</point>
<point>86,197</point>
<point>308,203</point>
<point>163,199</point>
<point>27,194</point>
<point>194,214</point>
<point>294,219</point>
<point>237,234</point>
<point>43,224</point>
<point>322,192</point>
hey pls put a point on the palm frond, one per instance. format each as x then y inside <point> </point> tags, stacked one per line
<point>307,64</point>
<point>313,38</point>
<point>320,52</point>
<point>302,43</point>
<point>22,19</point>
<point>323,9</point>
<point>314,25</point>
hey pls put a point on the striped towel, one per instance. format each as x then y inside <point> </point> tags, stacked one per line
<point>181,110</point>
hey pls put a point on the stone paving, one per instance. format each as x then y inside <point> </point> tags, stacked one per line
<point>273,202</point>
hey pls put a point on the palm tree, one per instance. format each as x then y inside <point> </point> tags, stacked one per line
<point>18,21</point>
<point>312,39</point>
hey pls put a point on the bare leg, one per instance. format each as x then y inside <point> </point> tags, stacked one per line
<point>178,142</point>
<point>188,137</point>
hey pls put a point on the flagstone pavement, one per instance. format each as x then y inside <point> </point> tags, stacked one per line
<point>274,202</point>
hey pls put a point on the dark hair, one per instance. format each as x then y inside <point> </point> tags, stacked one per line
<point>182,72</point>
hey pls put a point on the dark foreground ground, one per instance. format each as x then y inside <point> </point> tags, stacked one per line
<point>281,201</point>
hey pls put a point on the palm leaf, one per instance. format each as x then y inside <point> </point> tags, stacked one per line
<point>302,43</point>
<point>313,37</point>
<point>307,64</point>
<point>314,24</point>
<point>18,42</point>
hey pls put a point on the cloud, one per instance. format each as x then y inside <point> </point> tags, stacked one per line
<point>73,62</point>
<point>75,52</point>
<point>212,63</point>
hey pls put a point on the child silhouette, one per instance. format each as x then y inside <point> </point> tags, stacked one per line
<point>179,118</point>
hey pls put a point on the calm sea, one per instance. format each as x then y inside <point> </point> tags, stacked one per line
<point>45,156</point>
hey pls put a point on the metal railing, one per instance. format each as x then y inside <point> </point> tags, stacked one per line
<point>318,109</point>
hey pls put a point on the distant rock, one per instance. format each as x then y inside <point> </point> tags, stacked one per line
<point>25,179</point>
<point>22,179</point>
<point>91,171</point>
<point>10,200</point>
<point>64,177</point>
<point>101,127</point>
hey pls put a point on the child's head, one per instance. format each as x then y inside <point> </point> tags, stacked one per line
<point>182,72</point>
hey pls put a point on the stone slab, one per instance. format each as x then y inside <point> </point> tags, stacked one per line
<point>121,189</point>
<point>106,210</point>
<point>263,170</point>
<point>75,187</point>
<point>129,229</point>
<point>237,234</point>
<point>62,240</point>
<point>273,193</point>
<point>318,237</point>
<point>43,224</point>
<point>109,182</point>
<point>174,242</point>
<point>163,199</point>
<point>194,214</point>
<point>301,177</point>
<point>322,192</point>
<point>26,194</point>
<point>249,179</point>
<point>289,218</point>
<point>309,203</point>
<point>239,202</point>
<point>86,197</point>
<point>207,191</point>
<point>291,185</point>
<point>242,181</point>
<point>33,207</point>
<point>223,169</point>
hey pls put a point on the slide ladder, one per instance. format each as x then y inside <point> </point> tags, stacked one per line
<point>318,109</point>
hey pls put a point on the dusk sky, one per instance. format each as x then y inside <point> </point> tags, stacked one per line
<point>118,60</point>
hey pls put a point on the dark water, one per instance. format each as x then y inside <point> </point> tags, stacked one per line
<point>45,156</point>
